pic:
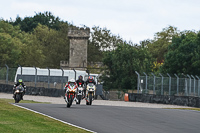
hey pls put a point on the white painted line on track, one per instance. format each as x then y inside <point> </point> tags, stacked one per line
<point>55,118</point>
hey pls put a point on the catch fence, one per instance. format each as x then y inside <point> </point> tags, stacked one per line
<point>171,85</point>
<point>47,80</point>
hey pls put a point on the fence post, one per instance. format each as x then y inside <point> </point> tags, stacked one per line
<point>154,83</point>
<point>161,83</point>
<point>62,76</point>
<point>48,76</point>
<point>194,85</point>
<point>75,74</point>
<point>186,87</point>
<point>198,85</point>
<point>88,72</point>
<point>21,69</point>
<point>7,68</point>
<point>190,87</point>
<point>35,76</point>
<point>145,82</point>
<point>169,83</point>
<point>177,84</point>
<point>138,84</point>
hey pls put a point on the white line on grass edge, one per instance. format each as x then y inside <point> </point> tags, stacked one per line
<point>54,118</point>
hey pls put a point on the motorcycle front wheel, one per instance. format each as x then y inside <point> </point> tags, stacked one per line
<point>68,105</point>
<point>90,99</point>
<point>17,98</point>
<point>87,103</point>
<point>79,99</point>
<point>70,101</point>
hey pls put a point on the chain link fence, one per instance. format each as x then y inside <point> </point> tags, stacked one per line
<point>168,85</point>
<point>7,75</point>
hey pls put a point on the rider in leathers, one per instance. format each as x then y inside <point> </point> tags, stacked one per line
<point>80,81</point>
<point>90,80</point>
<point>19,82</point>
<point>67,84</point>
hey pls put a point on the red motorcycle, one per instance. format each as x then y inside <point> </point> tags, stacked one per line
<point>70,94</point>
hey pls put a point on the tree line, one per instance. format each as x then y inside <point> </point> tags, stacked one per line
<point>42,41</point>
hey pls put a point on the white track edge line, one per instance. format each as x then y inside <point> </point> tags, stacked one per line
<point>55,118</point>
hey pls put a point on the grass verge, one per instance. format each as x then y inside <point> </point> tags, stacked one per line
<point>196,109</point>
<point>23,101</point>
<point>18,120</point>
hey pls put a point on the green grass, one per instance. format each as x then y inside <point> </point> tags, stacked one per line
<point>196,109</point>
<point>22,101</point>
<point>17,120</point>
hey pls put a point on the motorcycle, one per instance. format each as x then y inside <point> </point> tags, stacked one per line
<point>90,93</point>
<point>19,93</point>
<point>70,94</point>
<point>79,94</point>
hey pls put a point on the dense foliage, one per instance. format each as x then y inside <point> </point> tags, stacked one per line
<point>121,66</point>
<point>184,54</point>
<point>159,45</point>
<point>28,24</point>
<point>43,47</point>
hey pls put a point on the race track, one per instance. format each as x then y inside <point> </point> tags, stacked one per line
<point>115,119</point>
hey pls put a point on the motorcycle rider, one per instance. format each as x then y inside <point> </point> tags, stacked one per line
<point>90,80</point>
<point>19,82</point>
<point>68,83</point>
<point>81,82</point>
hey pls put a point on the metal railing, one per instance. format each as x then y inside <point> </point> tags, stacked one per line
<point>172,85</point>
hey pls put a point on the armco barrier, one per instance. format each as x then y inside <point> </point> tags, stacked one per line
<point>174,100</point>
<point>39,91</point>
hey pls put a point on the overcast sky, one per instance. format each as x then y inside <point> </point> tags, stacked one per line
<point>134,20</point>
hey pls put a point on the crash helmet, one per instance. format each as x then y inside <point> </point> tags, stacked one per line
<point>20,81</point>
<point>90,78</point>
<point>80,77</point>
<point>72,80</point>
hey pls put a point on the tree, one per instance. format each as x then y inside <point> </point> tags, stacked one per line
<point>184,54</point>
<point>158,47</point>
<point>28,24</point>
<point>54,44</point>
<point>121,66</point>
<point>101,40</point>
<point>10,43</point>
<point>32,52</point>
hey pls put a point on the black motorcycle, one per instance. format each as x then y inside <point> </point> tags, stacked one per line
<point>19,93</point>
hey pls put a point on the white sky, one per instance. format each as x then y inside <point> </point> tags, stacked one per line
<point>134,20</point>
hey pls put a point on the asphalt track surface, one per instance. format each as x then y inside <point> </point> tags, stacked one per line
<point>115,119</point>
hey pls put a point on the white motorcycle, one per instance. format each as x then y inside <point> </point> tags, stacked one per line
<point>90,93</point>
<point>79,94</point>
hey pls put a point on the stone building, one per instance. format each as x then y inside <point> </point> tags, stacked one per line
<point>78,49</point>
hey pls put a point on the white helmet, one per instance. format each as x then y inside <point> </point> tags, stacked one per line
<point>72,80</point>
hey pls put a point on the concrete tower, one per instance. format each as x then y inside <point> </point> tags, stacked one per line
<point>78,48</point>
